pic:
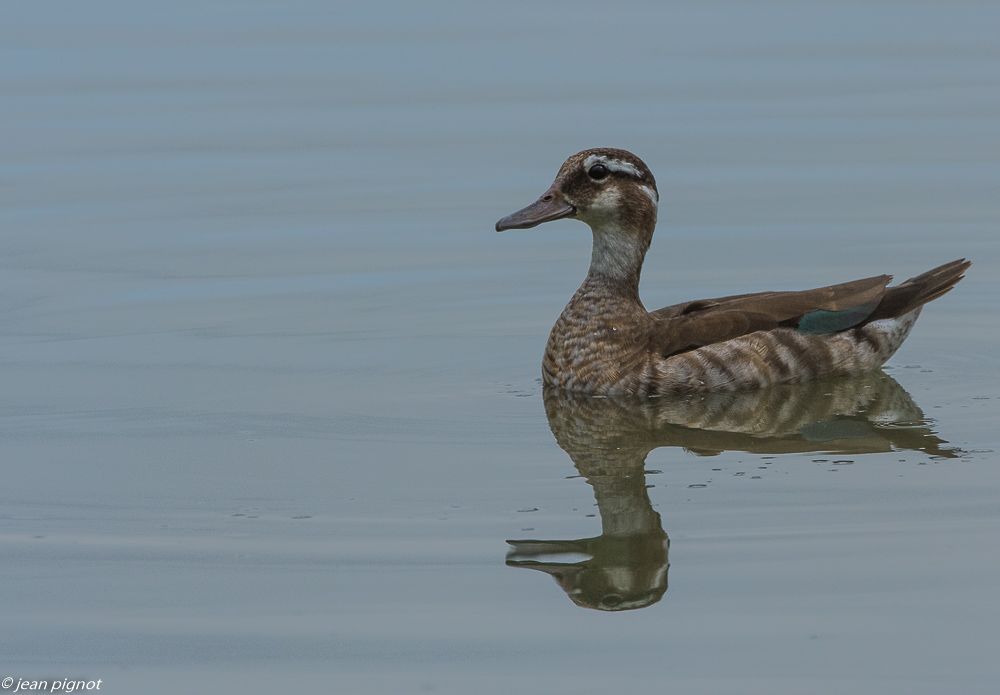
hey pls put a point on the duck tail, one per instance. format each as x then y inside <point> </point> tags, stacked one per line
<point>917,291</point>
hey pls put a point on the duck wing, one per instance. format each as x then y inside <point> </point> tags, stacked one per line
<point>691,325</point>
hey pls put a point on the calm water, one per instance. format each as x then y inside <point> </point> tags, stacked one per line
<point>271,417</point>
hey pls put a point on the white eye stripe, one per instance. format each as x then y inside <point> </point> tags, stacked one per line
<point>651,193</point>
<point>612,165</point>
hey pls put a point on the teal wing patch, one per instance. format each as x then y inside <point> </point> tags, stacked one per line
<point>822,321</point>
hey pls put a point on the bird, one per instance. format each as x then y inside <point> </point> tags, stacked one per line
<point>605,342</point>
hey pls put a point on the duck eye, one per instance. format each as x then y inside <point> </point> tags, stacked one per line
<point>598,171</point>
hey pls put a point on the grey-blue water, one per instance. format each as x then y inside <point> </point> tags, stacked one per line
<point>270,405</point>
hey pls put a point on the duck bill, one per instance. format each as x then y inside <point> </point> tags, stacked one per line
<point>550,206</point>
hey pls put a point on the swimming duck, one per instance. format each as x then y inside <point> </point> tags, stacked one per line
<point>606,343</point>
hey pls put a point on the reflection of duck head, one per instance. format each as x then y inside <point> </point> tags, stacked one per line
<point>615,573</point>
<point>609,439</point>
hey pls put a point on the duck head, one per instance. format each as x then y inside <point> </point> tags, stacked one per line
<point>614,192</point>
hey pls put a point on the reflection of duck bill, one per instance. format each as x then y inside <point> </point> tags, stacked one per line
<point>607,573</point>
<point>609,439</point>
<point>555,553</point>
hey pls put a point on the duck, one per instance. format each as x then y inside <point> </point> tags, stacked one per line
<point>605,342</point>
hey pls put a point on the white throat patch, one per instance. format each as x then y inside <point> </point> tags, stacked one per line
<point>616,253</point>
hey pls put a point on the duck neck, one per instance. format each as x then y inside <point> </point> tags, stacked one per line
<point>616,260</point>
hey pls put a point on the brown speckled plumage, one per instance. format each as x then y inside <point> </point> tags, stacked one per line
<point>605,342</point>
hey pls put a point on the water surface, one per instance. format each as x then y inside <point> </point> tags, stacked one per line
<point>271,415</point>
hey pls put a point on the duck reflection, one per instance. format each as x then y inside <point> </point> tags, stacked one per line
<point>608,440</point>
